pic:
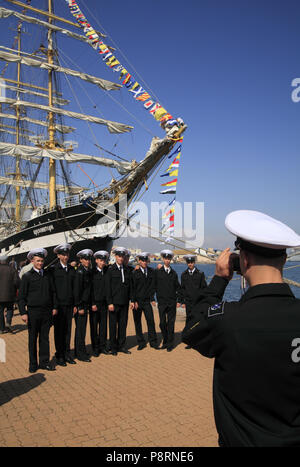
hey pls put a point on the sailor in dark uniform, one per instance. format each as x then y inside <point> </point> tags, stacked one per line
<point>256,340</point>
<point>126,260</point>
<point>142,293</point>
<point>98,313</point>
<point>37,303</point>
<point>83,302</point>
<point>192,281</point>
<point>167,290</point>
<point>118,281</point>
<point>63,278</point>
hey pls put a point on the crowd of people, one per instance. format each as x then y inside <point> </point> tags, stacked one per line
<point>255,341</point>
<point>95,290</point>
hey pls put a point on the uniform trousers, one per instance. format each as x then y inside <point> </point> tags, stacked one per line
<point>188,312</point>
<point>167,317</point>
<point>39,323</point>
<point>117,327</point>
<point>80,333</point>
<point>9,314</point>
<point>62,331</point>
<point>137,316</point>
<point>98,326</point>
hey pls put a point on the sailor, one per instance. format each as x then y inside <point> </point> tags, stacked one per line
<point>9,284</point>
<point>192,281</point>
<point>167,289</point>
<point>37,304</point>
<point>118,278</point>
<point>98,313</point>
<point>63,278</point>
<point>142,293</point>
<point>83,302</point>
<point>126,260</point>
<point>255,341</point>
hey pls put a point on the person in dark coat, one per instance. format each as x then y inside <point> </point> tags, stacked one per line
<point>255,341</point>
<point>37,305</point>
<point>192,281</point>
<point>167,289</point>
<point>9,284</point>
<point>142,293</point>
<point>83,302</point>
<point>118,282</point>
<point>98,313</point>
<point>63,278</point>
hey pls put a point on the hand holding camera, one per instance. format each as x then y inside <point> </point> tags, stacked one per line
<point>227,263</point>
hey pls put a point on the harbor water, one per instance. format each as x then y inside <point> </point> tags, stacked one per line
<point>233,290</point>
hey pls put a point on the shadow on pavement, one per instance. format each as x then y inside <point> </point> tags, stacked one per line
<point>19,328</point>
<point>17,387</point>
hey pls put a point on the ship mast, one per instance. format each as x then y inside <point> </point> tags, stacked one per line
<point>18,172</point>
<point>51,127</point>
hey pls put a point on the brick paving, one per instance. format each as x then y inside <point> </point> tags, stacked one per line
<point>149,398</point>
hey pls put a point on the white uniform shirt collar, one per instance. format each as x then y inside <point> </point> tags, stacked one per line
<point>38,271</point>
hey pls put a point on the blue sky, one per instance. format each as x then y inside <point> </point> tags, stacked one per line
<point>226,68</point>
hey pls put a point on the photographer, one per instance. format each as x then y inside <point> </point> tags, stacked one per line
<point>256,372</point>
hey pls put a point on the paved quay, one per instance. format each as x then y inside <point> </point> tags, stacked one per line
<point>149,398</point>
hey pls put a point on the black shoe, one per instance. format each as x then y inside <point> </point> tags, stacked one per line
<point>169,349</point>
<point>46,367</point>
<point>164,346</point>
<point>10,329</point>
<point>32,369</point>
<point>70,360</point>
<point>86,359</point>
<point>105,352</point>
<point>96,353</point>
<point>188,347</point>
<point>154,346</point>
<point>125,351</point>
<point>142,346</point>
<point>61,362</point>
<point>113,352</point>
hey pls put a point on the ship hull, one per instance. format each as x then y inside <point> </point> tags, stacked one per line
<point>83,226</point>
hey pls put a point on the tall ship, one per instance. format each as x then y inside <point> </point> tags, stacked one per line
<point>46,194</point>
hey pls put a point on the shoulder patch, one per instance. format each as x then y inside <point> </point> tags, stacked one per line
<point>217,309</point>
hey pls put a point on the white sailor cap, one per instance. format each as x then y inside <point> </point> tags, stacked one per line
<point>41,252</point>
<point>143,256</point>
<point>101,254</point>
<point>62,248</point>
<point>120,251</point>
<point>167,254</point>
<point>190,258</point>
<point>85,254</point>
<point>260,233</point>
<point>3,258</point>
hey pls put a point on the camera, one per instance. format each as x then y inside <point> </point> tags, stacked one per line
<point>236,263</point>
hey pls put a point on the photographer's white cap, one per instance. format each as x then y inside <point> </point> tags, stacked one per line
<point>259,229</point>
